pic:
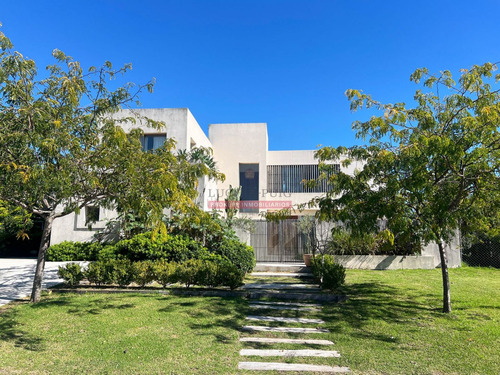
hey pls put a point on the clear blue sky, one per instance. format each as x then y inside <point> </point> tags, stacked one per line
<point>287,63</point>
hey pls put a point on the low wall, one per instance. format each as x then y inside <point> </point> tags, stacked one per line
<point>386,262</point>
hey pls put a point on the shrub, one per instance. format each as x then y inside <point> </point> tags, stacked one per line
<point>210,273</point>
<point>331,275</point>
<point>143,272</point>
<point>71,251</point>
<point>174,248</point>
<point>165,272</point>
<point>230,275</point>
<point>100,273</point>
<point>238,253</point>
<point>187,272</point>
<point>123,272</point>
<point>71,273</point>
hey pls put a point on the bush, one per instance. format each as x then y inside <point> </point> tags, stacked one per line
<point>123,272</point>
<point>238,253</point>
<point>165,273</point>
<point>210,273</point>
<point>71,273</point>
<point>230,276</point>
<point>71,251</point>
<point>174,248</point>
<point>143,272</point>
<point>100,272</point>
<point>330,275</point>
<point>187,272</point>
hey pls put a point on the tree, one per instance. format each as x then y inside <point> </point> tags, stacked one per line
<point>427,169</point>
<point>62,147</point>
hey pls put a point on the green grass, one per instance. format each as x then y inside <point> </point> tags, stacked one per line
<point>391,324</point>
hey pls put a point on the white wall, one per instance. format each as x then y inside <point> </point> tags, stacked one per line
<point>72,226</point>
<point>236,144</point>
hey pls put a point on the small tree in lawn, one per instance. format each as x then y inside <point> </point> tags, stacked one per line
<point>62,147</point>
<point>427,169</point>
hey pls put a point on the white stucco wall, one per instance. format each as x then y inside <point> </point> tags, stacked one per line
<point>72,226</point>
<point>236,144</point>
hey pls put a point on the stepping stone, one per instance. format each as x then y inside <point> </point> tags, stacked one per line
<point>282,286</point>
<point>283,329</point>
<point>282,274</point>
<point>287,303</point>
<point>288,353</point>
<point>273,366</point>
<point>281,307</point>
<point>266,340</point>
<point>282,319</point>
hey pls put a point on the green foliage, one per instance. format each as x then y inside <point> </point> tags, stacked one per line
<point>123,271</point>
<point>62,146</point>
<point>188,271</point>
<point>71,273</point>
<point>343,242</point>
<point>331,275</point>
<point>14,221</point>
<point>238,253</point>
<point>100,272</point>
<point>427,169</point>
<point>174,248</point>
<point>165,273</point>
<point>68,251</point>
<point>143,272</point>
<point>209,273</point>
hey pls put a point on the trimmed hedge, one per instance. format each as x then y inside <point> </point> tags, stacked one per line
<point>175,248</point>
<point>203,272</point>
<point>73,251</point>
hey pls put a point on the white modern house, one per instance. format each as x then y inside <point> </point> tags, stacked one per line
<point>270,180</point>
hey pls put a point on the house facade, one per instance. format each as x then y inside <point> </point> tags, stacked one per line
<point>270,181</point>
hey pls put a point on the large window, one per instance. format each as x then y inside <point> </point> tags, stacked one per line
<point>152,142</point>
<point>290,178</point>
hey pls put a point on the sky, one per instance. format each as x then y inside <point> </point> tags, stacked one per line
<point>283,62</point>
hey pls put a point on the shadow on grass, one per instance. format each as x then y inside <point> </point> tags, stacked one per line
<point>373,301</point>
<point>211,315</point>
<point>11,331</point>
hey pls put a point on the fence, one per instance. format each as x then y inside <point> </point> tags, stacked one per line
<point>278,242</point>
<point>481,251</point>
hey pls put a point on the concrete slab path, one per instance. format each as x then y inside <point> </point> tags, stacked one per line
<point>261,318</point>
<point>289,353</point>
<point>267,340</point>
<point>276,366</point>
<point>16,277</point>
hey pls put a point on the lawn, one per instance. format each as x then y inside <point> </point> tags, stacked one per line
<point>391,324</point>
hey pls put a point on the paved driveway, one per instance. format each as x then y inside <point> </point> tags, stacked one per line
<point>16,277</point>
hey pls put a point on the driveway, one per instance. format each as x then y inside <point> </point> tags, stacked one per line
<point>16,277</point>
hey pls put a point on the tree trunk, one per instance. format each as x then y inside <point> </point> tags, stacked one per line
<point>446,278</point>
<point>40,263</point>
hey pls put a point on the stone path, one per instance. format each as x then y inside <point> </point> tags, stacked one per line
<point>281,308</point>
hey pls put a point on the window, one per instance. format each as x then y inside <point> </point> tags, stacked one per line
<point>152,142</point>
<point>290,178</point>
<point>249,182</point>
<point>91,214</point>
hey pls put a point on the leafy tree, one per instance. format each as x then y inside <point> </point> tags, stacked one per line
<point>62,147</point>
<point>427,169</point>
